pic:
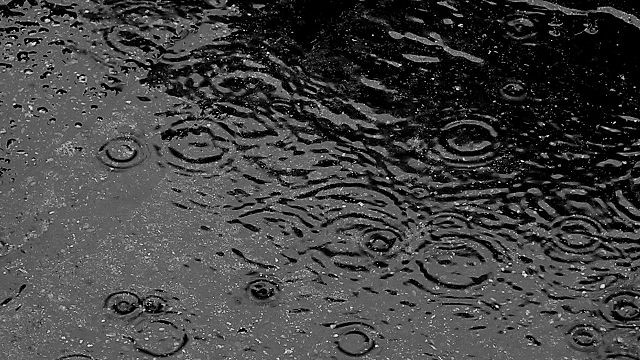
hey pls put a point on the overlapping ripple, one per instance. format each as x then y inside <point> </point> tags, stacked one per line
<point>338,179</point>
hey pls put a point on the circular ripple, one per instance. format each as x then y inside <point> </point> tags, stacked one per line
<point>375,240</point>
<point>379,242</point>
<point>578,239</point>
<point>584,337</point>
<point>458,260</point>
<point>622,307</point>
<point>520,27</point>
<point>122,302</point>
<point>355,338</point>
<point>123,152</point>
<point>263,290</point>
<point>75,357</point>
<point>159,338</point>
<point>514,90</point>
<point>366,228</point>
<point>154,304</point>
<point>139,32</point>
<point>197,146</point>
<point>367,244</point>
<point>470,142</point>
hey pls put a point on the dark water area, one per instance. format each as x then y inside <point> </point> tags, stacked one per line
<point>307,179</point>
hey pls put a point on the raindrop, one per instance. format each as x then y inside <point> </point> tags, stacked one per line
<point>467,142</point>
<point>584,337</point>
<point>159,338</point>
<point>355,338</point>
<point>367,228</point>
<point>454,259</point>
<point>122,153</point>
<point>514,90</point>
<point>622,307</point>
<point>154,304</point>
<point>578,239</point>
<point>197,146</point>
<point>122,302</point>
<point>263,291</point>
<point>520,27</point>
<point>380,242</point>
<point>591,28</point>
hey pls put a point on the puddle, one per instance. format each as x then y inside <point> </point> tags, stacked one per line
<point>319,180</point>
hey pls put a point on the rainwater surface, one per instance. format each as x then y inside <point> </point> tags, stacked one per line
<point>307,179</point>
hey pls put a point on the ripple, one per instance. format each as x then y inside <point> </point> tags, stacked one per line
<point>367,245</point>
<point>379,242</point>
<point>263,290</point>
<point>356,339</point>
<point>366,228</point>
<point>514,90</point>
<point>467,142</point>
<point>578,238</point>
<point>456,264</point>
<point>520,27</point>
<point>159,338</point>
<point>459,259</point>
<point>363,223</point>
<point>123,152</point>
<point>154,304</point>
<point>584,337</point>
<point>122,303</point>
<point>138,31</point>
<point>622,307</point>
<point>198,146</point>
<point>575,253</point>
<point>74,357</point>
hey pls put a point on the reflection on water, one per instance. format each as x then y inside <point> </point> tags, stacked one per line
<point>331,180</point>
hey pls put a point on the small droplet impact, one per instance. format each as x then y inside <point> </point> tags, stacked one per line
<point>468,142</point>
<point>591,28</point>
<point>577,239</point>
<point>197,146</point>
<point>154,304</point>
<point>380,243</point>
<point>514,91</point>
<point>584,337</point>
<point>356,339</point>
<point>122,153</point>
<point>159,338</point>
<point>623,307</point>
<point>122,302</point>
<point>520,27</point>
<point>263,290</point>
<point>459,259</point>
